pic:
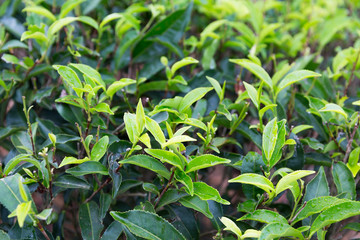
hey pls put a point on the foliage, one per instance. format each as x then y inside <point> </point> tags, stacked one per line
<point>151,119</point>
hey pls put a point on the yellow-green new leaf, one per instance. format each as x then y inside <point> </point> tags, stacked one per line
<point>140,117</point>
<point>153,127</point>
<point>294,77</point>
<point>269,138</point>
<point>68,6</point>
<point>118,85</point>
<point>215,85</point>
<point>231,226</point>
<point>255,69</point>
<point>192,96</point>
<point>145,139</point>
<point>110,18</point>
<point>72,160</point>
<point>252,93</point>
<point>40,11</point>
<point>178,139</point>
<point>166,156</point>
<point>255,180</point>
<point>205,161</point>
<point>206,192</point>
<point>99,149</point>
<point>332,107</point>
<point>183,62</point>
<point>286,181</point>
<point>59,24</point>
<point>22,211</point>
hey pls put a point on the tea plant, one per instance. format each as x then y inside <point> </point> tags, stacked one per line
<point>179,119</point>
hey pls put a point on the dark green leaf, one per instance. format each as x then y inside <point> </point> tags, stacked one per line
<point>149,163</point>
<point>147,225</point>
<point>344,180</point>
<point>89,221</point>
<point>90,167</point>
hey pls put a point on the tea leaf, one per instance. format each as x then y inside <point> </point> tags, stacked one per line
<point>334,214</point>
<point>149,163</point>
<point>147,225</point>
<point>204,161</point>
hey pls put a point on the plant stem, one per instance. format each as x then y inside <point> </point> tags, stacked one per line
<point>348,147</point>
<point>107,181</point>
<point>352,73</point>
<point>166,188</point>
<point>40,227</point>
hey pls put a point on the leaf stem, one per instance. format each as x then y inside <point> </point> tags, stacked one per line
<point>348,147</point>
<point>166,188</point>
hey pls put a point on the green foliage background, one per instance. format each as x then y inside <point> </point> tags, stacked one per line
<point>178,119</point>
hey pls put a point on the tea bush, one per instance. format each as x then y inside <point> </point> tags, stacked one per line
<point>179,119</point>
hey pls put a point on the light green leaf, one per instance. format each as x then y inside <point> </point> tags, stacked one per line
<point>231,226</point>
<point>22,211</point>
<point>205,161</point>
<point>18,159</point>
<point>110,18</point>
<point>153,127</point>
<point>353,162</point>
<point>331,107</point>
<point>90,167</point>
<point>206,192</point>
<point>266,108</point>
<point>99,149</point>
<point>251,233</point>
<point>10,196</point>
<point>145,139</point>
<point>36,35</point>
<point>185,179</point>
<point>44,215</point>
<point>130,126</point>
<point>255,69</point>
<point>68,75</point>
<point>59,24</point>
<point>301,128</point>
<point>216,86</point>
<point>192,96</point>
<point>147,225</point>
<point>140,117</point>
<point>178,139</point>
<point>252,93</point>
<point>117,85</point>
<point>68,6</point>
<point>89,21</point>
<point>264,216</point>
<point>334,214</point>
<point>277,230</point>
<point>102,107</point>
<point>269,138</point>
<point>90,73</point>
<point>72,160</point>
<point>286,181</point>
<point>40,11</point>
<point>166,156</point>
<point>8,58</point>
<point>294,77</point>
<point>256,180</point>
<point>183,62</point>
<point>148,162</point>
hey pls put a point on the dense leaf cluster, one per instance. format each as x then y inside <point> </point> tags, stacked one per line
<point>179,119</point>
